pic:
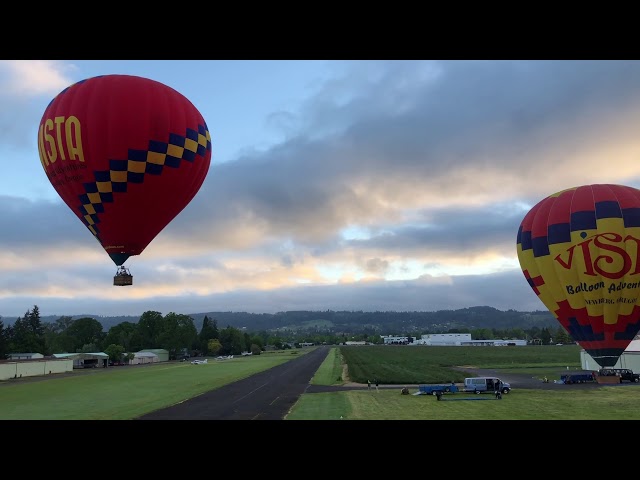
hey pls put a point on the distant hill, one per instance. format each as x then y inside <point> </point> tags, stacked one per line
<point>384,323</point>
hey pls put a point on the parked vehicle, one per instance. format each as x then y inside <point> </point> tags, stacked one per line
<point>435,389</point>
<point>625,374</point>
<point>577,377</point>
<point>485,385</point>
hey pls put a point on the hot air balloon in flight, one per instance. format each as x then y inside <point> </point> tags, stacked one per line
<point>126,154</point>
<point>579,251</point>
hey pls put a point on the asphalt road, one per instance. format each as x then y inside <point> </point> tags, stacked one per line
<point>266,395</point>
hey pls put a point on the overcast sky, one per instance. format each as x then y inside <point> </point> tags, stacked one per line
<point>334,185</point>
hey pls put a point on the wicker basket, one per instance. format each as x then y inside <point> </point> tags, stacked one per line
<point>123,279</point>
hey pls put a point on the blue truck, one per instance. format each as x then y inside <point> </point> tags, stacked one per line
<point>435,389</point>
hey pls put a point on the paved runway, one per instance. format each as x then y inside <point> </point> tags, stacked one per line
<point>266,395</point>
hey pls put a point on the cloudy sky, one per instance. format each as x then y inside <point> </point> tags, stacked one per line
<point>334,185</point>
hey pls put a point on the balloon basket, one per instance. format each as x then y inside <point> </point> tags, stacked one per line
<point>122,280</point>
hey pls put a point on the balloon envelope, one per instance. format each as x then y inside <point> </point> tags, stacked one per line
<point>126,154</point>
<point>578,250</point>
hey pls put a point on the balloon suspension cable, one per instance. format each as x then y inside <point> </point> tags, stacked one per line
<point>122,270</point>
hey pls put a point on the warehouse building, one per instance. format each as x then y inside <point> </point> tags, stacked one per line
<point>447,339</point>
<point>85,360</point>
<point>464,339</point>
<point>33,368</point>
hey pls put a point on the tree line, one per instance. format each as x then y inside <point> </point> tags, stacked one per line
<point>177,333</point>
<point>173,332</point>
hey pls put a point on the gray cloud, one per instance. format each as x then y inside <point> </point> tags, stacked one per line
<point>26,223</point>
<point>503,291</point>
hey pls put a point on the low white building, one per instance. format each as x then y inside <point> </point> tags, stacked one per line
<point>443,339</point>
<point>144,357</point>
<point>393,340</point>
<point>463,339</point>
<point>25,356</point>
<point>496,343</point>
<point>630,358</point>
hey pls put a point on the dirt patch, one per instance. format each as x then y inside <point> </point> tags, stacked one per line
<point>345,372</point>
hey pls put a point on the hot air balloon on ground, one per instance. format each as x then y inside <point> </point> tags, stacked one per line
<point>579,251</point>
<point>126,154</point>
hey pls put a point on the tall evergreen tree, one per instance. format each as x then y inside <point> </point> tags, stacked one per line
<point>33,318</point>
<point>37,331</point>
<point>4,341</point>
<point>19,337</point>
<point>215,331</point>
<point>28,334</point>
<point>208,332</point>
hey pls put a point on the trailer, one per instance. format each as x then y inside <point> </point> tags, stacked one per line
<point>577,377</point>
<point>435,389</point>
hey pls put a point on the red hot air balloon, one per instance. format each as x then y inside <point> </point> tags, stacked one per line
<point>126,154</point>
<point>579,249</point>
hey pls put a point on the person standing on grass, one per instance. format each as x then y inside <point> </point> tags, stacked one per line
<point>377,385</point>
<point>498,388</point>
<point>369,384</point>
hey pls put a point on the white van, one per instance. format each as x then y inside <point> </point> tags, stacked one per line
<point>485,385</point>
